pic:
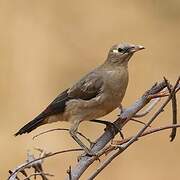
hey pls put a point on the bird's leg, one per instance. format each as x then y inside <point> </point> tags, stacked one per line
<point>87,139</point>
<point>64,129</point>
<point>73,132</point>
<point>121,109</point>
<point>110,124</point>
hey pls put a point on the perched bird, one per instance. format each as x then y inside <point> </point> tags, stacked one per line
<point>95,95</point>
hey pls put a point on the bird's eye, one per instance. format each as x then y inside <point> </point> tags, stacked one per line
<point>120,50</point>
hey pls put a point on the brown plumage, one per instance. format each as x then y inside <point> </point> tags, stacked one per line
<point>95,95</point>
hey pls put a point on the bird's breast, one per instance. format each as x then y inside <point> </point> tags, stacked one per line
<point>115,85</point>
<point>115,82</point>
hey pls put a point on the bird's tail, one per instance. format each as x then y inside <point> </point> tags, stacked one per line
<point>38,121</point>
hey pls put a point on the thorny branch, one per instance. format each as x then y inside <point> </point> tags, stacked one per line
<point>102,146</point>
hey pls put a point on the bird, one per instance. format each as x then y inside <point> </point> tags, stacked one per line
<point>95,95</point>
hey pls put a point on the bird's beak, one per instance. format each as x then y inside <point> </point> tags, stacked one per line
<point>136,48</point>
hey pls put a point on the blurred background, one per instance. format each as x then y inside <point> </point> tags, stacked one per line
<point>47,45</point>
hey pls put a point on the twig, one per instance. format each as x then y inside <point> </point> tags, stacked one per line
<point>40,158</point>
<point>178,88</point>
<point>99,147</point>
<point>140,122</point>
<point>131,141</point>
<point>61,129</point>
<point>38,174</point>
<point>174,111</point>
<point>110,132</point>
<point>114,143</point>
<point>37,166</point>
<point>148,109</point>
<point>69,173</point>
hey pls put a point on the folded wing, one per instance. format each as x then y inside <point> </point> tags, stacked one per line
<point>87,88</point>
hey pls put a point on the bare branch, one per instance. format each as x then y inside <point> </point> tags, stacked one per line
<point>114,143</point>
<point>30,163</point>
<point>101,146</point>
<point>38,174</point>
<point>69,172</point>
<point>37,166</point>
<point>140,122</point>
<point>174,110</point>
<point>148,109</point>
<point>110,132</point>
<point>133,139</point>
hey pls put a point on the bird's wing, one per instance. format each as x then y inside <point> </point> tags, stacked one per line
<point>58,105</point>
<point>87,88</point>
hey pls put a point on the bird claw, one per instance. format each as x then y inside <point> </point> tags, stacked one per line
<point>122,109</point>
<point>90,154</point>
<point>91,144</point>
<point>117,128</point>
<point>109,124</point>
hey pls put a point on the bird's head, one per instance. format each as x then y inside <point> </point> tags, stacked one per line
<point>121,53</point>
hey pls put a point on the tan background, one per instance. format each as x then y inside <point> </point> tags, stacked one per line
<point>46,45</point>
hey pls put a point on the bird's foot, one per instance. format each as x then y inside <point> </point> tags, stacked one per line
<point>109,124</point>
<point>118,129</point>
<point>122,109</point>
<point>91,144</point>
<point>90,154</point>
